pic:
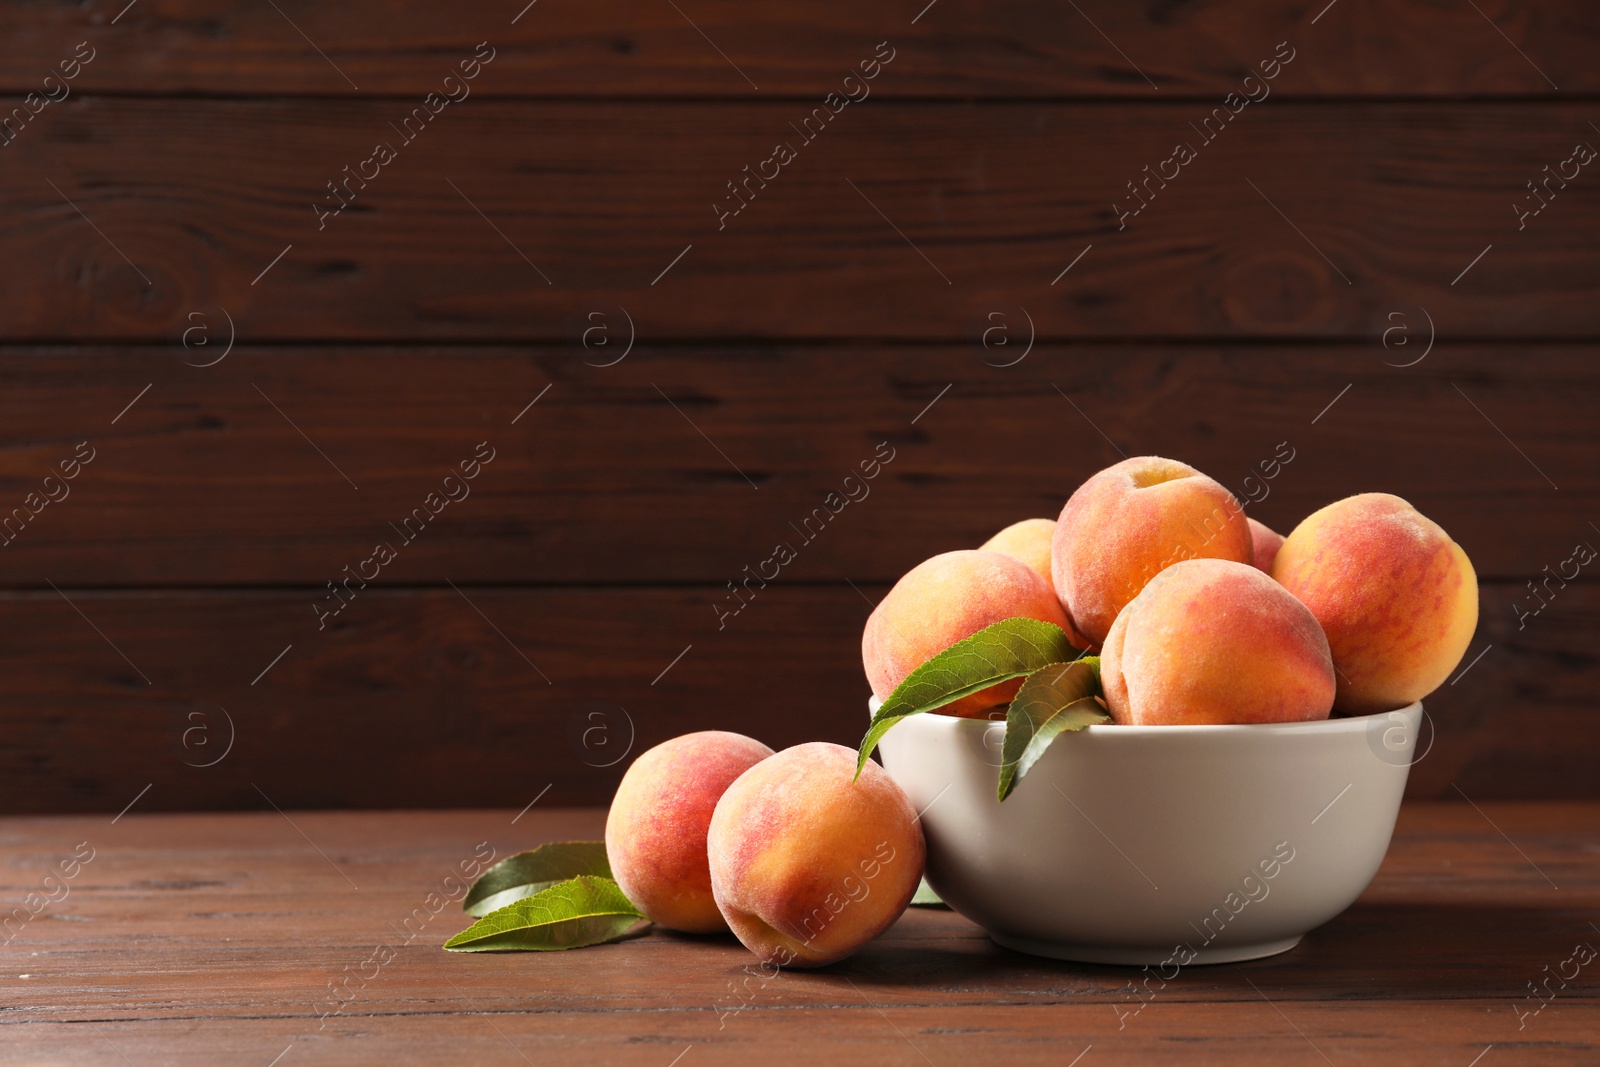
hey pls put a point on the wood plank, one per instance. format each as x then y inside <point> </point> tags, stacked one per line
<point>486,697</point>
<point>214,937</point>
<point>1017,48</point>
<point>1247,1033</point>
<point>617,204</point>
<point>207,479</point>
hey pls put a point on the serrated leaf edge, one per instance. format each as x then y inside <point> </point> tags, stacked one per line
<point>456,943</point>
<point>1086,709</point>
<point>470,901</point>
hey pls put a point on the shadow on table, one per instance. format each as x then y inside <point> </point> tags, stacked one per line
<point>1370,951</point>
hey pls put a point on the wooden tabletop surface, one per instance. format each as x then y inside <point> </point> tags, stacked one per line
<point>212,939</point>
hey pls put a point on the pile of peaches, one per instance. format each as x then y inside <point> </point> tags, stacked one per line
<point>1200,615</point>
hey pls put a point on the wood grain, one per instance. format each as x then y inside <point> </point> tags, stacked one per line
<point>635,47</point>
<point>513,220</point>
<point>485,697</point>
<point>207,480</point>
<point>202,939</point>
<point>859,298</point>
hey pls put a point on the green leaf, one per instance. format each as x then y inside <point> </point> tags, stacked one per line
<point>1054,700</point>
<point>926,897</point>
<point>1008,649</point>
<point>572,914</point>
<point>527,873</point>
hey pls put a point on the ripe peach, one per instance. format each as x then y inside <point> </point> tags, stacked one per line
<point>1397,598</point>
<point>941,601</point>
<point>807,865</point>
<point>656,830</point>
<point>1214,641</point>
<point>1264,542</point>
<point>1128,523</point>
<point>1028,541</point>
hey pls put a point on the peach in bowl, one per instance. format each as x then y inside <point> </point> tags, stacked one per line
<point>1224,775</point>
<point>1159,845</point>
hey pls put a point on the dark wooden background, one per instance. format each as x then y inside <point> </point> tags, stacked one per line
<point>563,614</point>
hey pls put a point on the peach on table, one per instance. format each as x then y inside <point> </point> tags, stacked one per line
<point>656,829</point>
<point>807,864</point>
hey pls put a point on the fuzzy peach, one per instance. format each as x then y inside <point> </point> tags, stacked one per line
<point>1028,541</point>
<point>808,865</point>
<point>1264,542</point>
<point>656,830</point>
<point>1215,641</point>
<point>941,601</point>
<point>1130,522</point>
<point>1397,598</point>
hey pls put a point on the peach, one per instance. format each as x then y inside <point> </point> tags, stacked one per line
<point>808,865</point>
<point>1214,641</point>
<point>1130,522</point>
<point>1264,543</point>
<point>941,601</point>
<point>1028,541</point>
<point>656,830</point>
<point>1397,598</point>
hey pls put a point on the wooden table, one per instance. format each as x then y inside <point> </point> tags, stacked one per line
<point>212,939</point>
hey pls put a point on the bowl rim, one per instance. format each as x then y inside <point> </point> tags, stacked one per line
<point>1331,725</point>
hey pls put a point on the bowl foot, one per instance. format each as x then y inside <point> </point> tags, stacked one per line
<point>1134,955</point>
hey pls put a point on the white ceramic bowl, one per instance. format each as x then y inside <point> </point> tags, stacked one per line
<point>1160,845</point>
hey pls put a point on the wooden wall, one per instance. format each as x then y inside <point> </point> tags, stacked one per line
<point>945,275</point>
